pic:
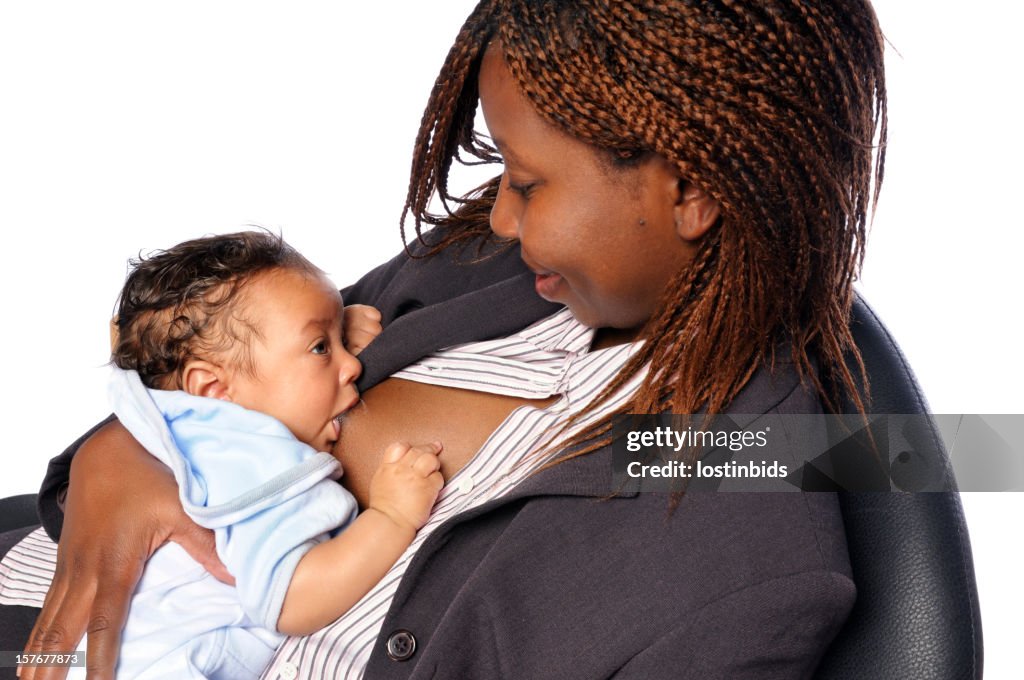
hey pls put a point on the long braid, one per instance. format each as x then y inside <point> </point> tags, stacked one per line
<point>776,109</point>
<point>446,126</point>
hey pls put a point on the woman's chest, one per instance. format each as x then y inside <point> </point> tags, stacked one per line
<point>398,410</point>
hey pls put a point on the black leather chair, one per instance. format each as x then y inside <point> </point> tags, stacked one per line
<point>917,613</point>
<point>18,511</point>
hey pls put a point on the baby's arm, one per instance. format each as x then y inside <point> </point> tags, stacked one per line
<point>336,574</point>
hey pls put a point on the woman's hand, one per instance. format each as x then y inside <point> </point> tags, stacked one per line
<point>122,504</point>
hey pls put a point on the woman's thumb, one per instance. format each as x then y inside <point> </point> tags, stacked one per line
<point>201,545</point>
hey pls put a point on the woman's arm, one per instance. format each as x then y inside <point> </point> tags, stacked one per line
<point>53,490</point>
<point>121,506</point>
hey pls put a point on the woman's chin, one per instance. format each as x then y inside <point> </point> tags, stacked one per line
<point>584,315</point>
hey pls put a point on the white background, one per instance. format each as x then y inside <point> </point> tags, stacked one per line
<point>130,126</point>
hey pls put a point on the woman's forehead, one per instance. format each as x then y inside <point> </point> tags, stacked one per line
<point>518,131</point>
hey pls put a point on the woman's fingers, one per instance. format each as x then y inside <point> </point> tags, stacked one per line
<point>62,622</point>
<point>88,596</point>
<point>201,544</point>
<point>60,626</point>
<point>120,507</point>
<point>109,612</point>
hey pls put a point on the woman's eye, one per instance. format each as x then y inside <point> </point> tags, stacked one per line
<point>321,347</point>
<point>523,190</point>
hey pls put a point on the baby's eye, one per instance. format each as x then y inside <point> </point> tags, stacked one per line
<point>322,347</point>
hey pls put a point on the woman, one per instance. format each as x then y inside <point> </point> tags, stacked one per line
<point>693,184</point>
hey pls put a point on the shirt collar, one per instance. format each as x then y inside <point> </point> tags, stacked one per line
<point>560,332</point>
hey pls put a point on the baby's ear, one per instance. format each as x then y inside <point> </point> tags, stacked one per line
<point>204,379</point>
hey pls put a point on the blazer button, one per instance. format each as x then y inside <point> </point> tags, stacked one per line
<point>401,645</point>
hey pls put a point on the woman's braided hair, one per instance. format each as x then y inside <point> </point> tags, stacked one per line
<point>776,108</point>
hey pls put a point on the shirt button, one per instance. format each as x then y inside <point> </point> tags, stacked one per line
<point>559,406</point>
<point>288,671</point>
<point>466,484</point>
<point>401,645</point>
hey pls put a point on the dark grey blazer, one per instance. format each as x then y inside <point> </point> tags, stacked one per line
<point>555,581</point>
<point>558,581</point>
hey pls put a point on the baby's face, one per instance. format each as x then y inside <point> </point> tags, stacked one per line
<point>304,376</point>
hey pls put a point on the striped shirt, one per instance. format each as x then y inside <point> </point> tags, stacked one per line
<point>550,358</point>
<point>27,570</point>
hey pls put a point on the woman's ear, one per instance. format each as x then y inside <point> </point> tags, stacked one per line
<point>695,211</point>
<point>204,379</point>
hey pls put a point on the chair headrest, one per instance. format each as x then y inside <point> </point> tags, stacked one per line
<point>893,387</point>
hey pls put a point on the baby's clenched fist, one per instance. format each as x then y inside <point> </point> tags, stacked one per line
<point>407,482</point>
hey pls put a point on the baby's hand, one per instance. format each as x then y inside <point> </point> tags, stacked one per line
<point>406,484</point>
<point>361,325</point>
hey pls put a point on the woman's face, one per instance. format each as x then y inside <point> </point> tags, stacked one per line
<point>602,239</point>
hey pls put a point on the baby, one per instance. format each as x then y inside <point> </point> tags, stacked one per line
<point>232,369</point>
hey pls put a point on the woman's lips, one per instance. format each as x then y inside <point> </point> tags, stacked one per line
<point>547,285</point>
<point>336,424</point>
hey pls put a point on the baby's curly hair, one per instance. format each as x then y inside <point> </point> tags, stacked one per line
<point>183,303</point>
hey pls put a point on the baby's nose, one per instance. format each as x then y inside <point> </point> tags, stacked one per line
<point>351,369</point>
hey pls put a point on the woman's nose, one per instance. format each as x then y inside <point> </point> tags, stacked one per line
<point>504,222</point>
